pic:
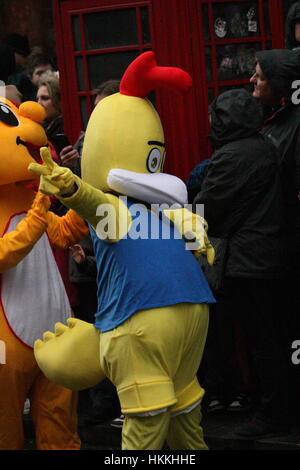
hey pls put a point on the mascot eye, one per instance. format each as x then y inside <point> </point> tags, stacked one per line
<point>7,116</point>
<point>153,160</point>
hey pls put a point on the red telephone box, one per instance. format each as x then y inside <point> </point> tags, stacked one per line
<point>214,40</point>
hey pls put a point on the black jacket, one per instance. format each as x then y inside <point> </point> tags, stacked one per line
<point>292,16</point>
<point>7,61</point>
<point>283,127</point>
<point>284,130</point>
<point>24,85</point>
<point>241,192</point>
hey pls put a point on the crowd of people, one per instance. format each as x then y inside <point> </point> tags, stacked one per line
<point>250,190</point>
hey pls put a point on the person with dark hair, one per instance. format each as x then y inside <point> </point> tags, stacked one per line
<point>277,73</point>
<point>14,49</point>
<point>103,90</point>
<point>106,89</point>
<point>7,62</point>
<point>26,81</point>
<point>20,47</point>
<point>292,27</point>
<point>242,201</point>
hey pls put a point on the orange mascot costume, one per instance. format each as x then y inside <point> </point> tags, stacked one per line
<point>32,291</point>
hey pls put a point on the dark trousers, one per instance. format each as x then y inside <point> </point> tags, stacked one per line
<point>262,313</point>
<point>221,371</point>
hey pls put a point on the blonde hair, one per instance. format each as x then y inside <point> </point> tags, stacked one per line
<point>50,80</point>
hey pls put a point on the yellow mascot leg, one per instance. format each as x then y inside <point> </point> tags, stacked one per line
<point>153,359</point>
<point>185,432</point>
<point>182,432</point>
<point>145,433</point>
<point>54,413</point>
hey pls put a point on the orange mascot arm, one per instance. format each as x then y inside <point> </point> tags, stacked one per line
<point>15,245</point>
<point>67,230</point>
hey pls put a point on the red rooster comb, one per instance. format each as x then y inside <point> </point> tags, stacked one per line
<point>144,75</point>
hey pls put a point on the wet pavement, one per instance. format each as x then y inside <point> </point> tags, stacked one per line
<point>218,431</point>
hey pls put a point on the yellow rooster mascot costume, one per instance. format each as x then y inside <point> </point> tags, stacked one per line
<point>152,318</point>
<point>32,292</point>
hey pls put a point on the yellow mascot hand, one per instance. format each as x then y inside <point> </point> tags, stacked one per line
<point>54,179</point>
<point>193,229</point>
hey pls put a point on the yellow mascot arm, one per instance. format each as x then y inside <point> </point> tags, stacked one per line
<point>15,245</point>
<point>90,203</point>
<point>193,229</point>
<point>106,213</point>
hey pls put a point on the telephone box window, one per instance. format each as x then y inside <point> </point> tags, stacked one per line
<point>205,23</point>
<point>211,95</point>
<point>209,73</point>
<point>101,31</point>
<point>236,61</point>
<point>266,11</point>
<point>76,33</point>
<point>84,111</point>
<point>235,20</point>
<point>80,73</point>
<point>145,25</point>
<point>102,67</point>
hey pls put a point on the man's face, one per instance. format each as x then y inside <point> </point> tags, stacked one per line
<point>98,98</point>
<point>38,71</point>
<point>297,31</point>
<point>262,89</point>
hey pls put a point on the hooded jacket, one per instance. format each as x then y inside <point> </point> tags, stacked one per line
<point>292,17</point>
<point>241,192</point>
<point>283,127</point>
<point>281,68</point>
